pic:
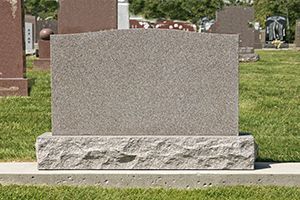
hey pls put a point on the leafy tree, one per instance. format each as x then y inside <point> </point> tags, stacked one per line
<point>239,2</point>
<point>286,8</point>
<point>192,10</point>
<point>42,8</point>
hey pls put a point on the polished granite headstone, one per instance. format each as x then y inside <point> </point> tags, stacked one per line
<point>145,99</point>
<point>238,20</point>
<point>12,50</point>
<point>43,60</point>
<point>78,16</point>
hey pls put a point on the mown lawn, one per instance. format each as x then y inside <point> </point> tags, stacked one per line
<point>22,119</point>
<point>269,109</point>
<point>270,104</point>
<point>87,193</point>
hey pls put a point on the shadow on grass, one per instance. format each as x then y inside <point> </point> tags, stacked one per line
<point>32,82</point>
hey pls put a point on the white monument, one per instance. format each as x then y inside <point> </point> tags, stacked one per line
<point>29,41</point>
<point>123,14</point>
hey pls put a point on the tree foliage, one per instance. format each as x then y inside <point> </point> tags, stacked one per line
<point>286,8</point>
<point>188,10</point>
<point>192,10</point>
<point>239,2</point>
<point>42,8</point>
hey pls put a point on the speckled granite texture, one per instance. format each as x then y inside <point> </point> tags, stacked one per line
<point>145,152</point>
<point>145,82</point>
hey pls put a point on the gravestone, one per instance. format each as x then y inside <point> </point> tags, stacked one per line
<point>32,19</point>
<point>145,99</point>
<point>239,20</point>
<point>262,37</point>
<point>205,24</point>
<point>29,38</point>
<point>42,24</point>
<point>297,35</point>
<point>43,60</point>
<point>123,14</point>
<point>87,16</point>
<point>276,27</point>
<point>12,51</point>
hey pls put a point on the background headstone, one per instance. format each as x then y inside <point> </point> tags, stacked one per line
<point>297,36</point>
<point>262,37</point>
<point>87,16</point>
<point>42,24</point>
<point>32,19</point>
<point>12,51</point>
<point>145,99</point>
<point>43,60</point>
<point>205,24</point>
<point>238,20</point>
<point>43,53</point>
<point>123,14</point>
<point>276,28</point>
<point>29,38</point>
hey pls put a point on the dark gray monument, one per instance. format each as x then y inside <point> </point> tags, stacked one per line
<point>276,31</point>
<point>239,20</point>
<point>276,28</point>
<point>135,99</point>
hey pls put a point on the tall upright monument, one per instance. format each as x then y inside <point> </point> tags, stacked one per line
<point>12,51</point>
<point>123,14</point>
<point>79,16</point>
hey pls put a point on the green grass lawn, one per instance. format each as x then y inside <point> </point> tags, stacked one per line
<point>269,109</point>
<point>86,193</point>
<point>270,104</point>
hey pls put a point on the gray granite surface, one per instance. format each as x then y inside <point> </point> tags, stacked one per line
<point>145,152</point>
<point>145,82</point>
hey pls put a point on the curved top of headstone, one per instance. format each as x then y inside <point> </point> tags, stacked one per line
<point>145,82</point>
<point>45,33</point>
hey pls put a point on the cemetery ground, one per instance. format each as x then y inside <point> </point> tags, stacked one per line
<point>67,192</point>
<point>269,109</point>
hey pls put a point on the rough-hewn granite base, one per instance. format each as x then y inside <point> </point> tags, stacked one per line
<point>145,152</point>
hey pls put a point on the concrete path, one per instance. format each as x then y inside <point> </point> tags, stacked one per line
<point>284,174</point>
